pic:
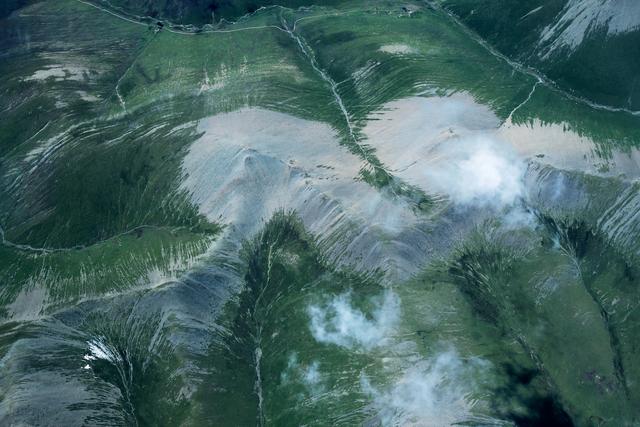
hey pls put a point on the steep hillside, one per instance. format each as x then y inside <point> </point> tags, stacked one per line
<point>349,214</point>
<point>591,48</point>
<point>199,12</point>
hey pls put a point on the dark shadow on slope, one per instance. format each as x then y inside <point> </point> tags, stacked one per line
<point>200,12</point>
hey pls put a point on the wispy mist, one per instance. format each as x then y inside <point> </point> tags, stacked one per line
<point>477,170</point>
<point>433,393</point>
<point>338,322</point>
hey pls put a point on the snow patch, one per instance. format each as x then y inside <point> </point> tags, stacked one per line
<point>87,96</point>
<point>397,49</point>
<point>99,349</point>
<point>59,72</point>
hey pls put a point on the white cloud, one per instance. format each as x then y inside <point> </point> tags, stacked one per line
<point>433,393</point>
<point>477,170</point>
<point>309,375</point>
<point>341,324</point>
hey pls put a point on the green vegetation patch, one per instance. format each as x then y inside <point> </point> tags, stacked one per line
<point>39,283</point>
<point>264,352</point>
<point>555,300</point>
<point>603,68</point>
